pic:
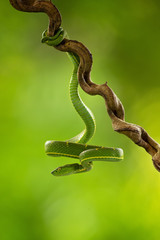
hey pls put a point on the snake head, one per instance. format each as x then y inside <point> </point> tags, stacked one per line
<point>67,169</point>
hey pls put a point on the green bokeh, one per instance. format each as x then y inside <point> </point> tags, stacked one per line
<point>114,200</point>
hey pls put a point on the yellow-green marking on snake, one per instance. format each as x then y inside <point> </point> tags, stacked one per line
<point>76,147</point>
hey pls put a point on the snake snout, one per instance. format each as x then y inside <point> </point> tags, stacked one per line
<point>56,172</point>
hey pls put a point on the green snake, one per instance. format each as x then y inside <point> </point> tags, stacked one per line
<point>77,147</point>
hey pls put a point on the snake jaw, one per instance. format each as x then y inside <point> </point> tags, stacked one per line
<point>67,169</point>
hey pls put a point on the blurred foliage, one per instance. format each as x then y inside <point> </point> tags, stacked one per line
<point>113,201</point>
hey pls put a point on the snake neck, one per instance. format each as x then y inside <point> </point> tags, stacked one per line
<point>83,111</point>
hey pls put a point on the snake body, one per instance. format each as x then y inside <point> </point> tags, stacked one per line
<point>77,147</point>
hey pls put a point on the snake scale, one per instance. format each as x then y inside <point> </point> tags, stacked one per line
<point>77,147</point>
<point>54,36</point>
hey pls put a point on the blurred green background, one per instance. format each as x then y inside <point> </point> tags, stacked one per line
<point>114,200</point>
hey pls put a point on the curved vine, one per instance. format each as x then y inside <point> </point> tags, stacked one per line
<point>114,106</point>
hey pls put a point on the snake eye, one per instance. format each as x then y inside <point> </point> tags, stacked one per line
<point>56,172</point>
<point>57,169</point>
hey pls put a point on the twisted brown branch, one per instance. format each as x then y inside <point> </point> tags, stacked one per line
<point>114,106</point>
<point>40,6</point>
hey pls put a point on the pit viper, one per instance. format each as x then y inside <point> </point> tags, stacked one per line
<point>77,146</point>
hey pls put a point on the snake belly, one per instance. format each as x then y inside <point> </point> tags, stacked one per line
<point>77,147</point>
